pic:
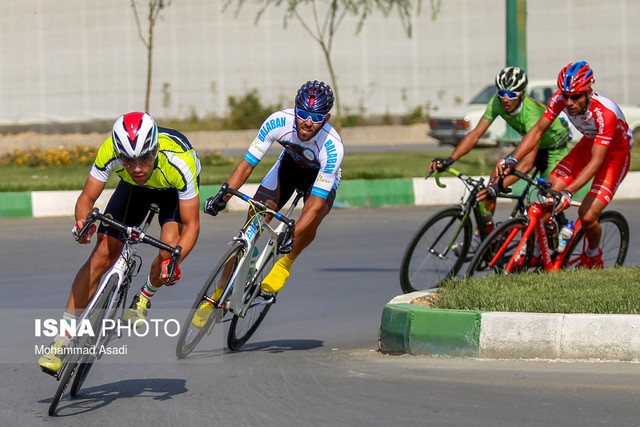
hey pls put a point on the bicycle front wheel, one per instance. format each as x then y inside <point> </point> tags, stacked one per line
<point>614,241</point>
<point>242,328</point>
<point>69,370</point>
<point>95,317</point>
<point>495,252</point>
<point>437,251</point>
<point>192,330</point>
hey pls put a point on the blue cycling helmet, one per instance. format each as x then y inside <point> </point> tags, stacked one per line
<point>575,78</point>
<point>315,97</point>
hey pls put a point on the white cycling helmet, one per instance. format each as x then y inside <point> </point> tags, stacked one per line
<point>135,135</point>
<point>512,79</point>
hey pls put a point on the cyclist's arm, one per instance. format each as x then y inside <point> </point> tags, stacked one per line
<point>240,175</point>
<point>470,140</point>
<point>598,153</point>
<point>309,220</point>
<point>87,199</point>
<point>531,139</point>
<point>467,143</point>
<point>524,165</point>
<point>190,216</point>
<point>528,143</point>
<point>84,205</point>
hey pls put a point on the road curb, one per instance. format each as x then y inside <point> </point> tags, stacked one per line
<point>352,193</point>
<point>408,328</point>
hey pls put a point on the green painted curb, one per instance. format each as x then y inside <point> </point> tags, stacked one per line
<point>412,329</point>
<point>15,205</point>
<point>376,192</point>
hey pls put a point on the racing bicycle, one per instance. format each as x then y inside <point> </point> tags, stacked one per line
<point>107,305</point>
<point>239,278</point>
<point>440,247</point>
<point>509,248</point>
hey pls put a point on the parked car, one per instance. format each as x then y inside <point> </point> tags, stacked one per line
<point>449,126</point>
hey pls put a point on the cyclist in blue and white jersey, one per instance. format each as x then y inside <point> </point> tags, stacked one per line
<point>310,162</point>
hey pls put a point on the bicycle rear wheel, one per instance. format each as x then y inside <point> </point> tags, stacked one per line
<point>242,328</point>
<point>95,317</point>
<point>190,334</point>
<point>430,257</point>
<point>500,246</point>
<point>614,241</point>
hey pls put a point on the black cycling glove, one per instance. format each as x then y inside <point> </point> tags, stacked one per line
<point>443,163</point>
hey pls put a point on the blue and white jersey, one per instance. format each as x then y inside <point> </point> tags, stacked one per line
<point>323,152</point>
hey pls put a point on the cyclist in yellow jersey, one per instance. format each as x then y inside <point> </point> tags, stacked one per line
<point>155,165</point>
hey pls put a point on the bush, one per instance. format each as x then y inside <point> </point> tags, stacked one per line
<point>248,111</point>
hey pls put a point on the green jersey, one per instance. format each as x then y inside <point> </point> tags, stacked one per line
<point>524,117</point>
<point>177,165</point>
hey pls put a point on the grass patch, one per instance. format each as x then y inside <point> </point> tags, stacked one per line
<point>610,291</point>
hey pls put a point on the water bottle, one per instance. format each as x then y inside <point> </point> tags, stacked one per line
<point>552,233</point>
<point>564,236</point>
<point>252,263</point>
<point>487,219</point>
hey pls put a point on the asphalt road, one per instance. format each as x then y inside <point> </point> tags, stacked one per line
<point>313,361</point>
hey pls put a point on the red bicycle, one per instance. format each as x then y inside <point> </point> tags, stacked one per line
<point>509,247</point>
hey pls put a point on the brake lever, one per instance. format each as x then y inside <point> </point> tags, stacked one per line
<point>175,257</point>
<point>88,223</point>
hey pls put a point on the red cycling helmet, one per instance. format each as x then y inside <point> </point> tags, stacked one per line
<point>134,135</point>
<point>575,78</point>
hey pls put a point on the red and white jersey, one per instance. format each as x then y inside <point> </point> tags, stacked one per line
<point>603,122</point>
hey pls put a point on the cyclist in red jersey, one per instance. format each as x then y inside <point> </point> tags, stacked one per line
<point>603,153</point>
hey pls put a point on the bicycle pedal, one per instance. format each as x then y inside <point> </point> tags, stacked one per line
<point>50,372</point>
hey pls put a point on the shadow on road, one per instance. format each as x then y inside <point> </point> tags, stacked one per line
<point>96,397</point>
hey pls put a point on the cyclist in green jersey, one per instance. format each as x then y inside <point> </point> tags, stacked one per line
<point>521,113</point>
<point>155,165</point>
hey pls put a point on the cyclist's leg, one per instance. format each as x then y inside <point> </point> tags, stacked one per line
<point>291,176</point>
<point>87,279</point>
<point>171,228</point>
<point>84,286</point>
<point>275,190</point>
<point>605,183</point>
<point>313,212</point>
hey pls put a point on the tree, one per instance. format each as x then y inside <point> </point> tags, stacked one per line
<point>323,28</point>
<point>155,7</point>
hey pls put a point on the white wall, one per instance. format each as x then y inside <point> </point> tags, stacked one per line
<point>68,60</point>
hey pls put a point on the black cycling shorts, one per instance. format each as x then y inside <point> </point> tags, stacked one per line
<point>130,204</point>
<point>282,180</point>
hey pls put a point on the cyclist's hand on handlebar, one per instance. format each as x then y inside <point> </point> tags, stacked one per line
<point>164,273</point>
<point>505,166</point>
<point>216,204</point>
<point>486,194</point>
<point>565,201</point>
<point>440,164</point>
<point>86,237</point>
